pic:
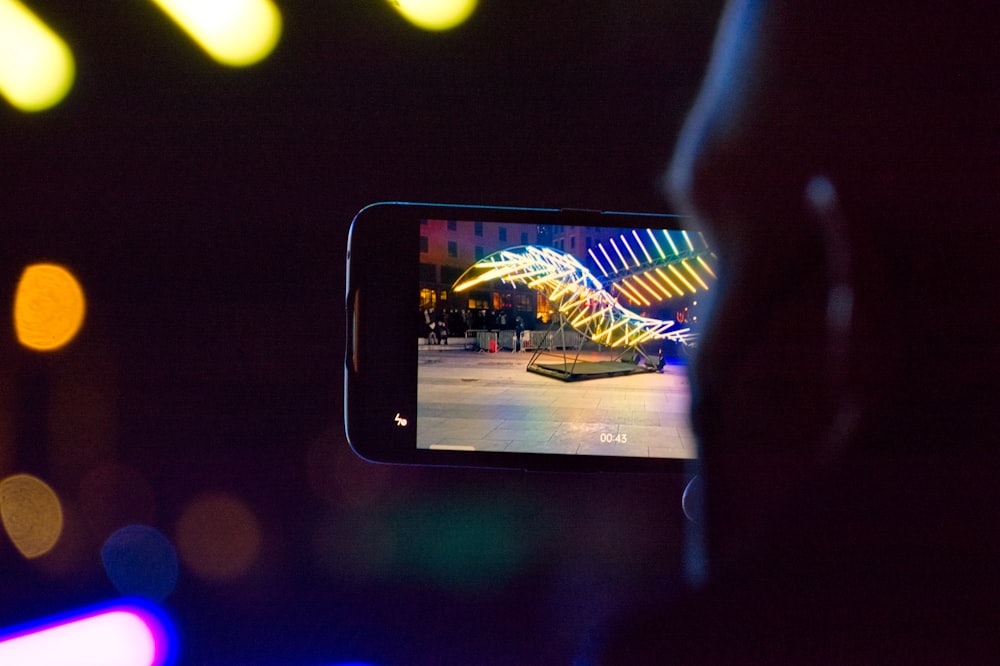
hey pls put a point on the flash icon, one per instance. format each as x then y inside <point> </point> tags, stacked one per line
<point>400,421</point>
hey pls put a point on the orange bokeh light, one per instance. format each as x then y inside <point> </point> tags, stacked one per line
<point>49,307</point>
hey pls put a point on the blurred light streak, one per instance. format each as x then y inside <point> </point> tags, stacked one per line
<point>435,14</point>
<point>31,514</point>
<point>36,65</point>
<point>233,32</point>
<point>128,633</point>
<point>49,307</point>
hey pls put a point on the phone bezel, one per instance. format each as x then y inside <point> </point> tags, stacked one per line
<point>381,357</point>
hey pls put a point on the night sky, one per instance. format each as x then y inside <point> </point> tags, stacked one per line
<point>205,212</point>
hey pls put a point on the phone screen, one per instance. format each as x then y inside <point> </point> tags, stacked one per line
<point>557,339</point>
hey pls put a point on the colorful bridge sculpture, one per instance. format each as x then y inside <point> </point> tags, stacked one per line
<point>666,266</point>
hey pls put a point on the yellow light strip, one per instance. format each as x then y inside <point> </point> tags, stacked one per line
<point>642,283</point>
<point>666,278</point>
<point>693,274</point>
<point>654,279</point>
<point>657,333</point>
<point>682,279</point>
<point>36,67</point>
<point>707,268</point>
<point>569,304</point>
<point>632,299</point>
<point>636,292</point>
<point>606,334</point>
<point>620,341</point>
<point>580,322</point>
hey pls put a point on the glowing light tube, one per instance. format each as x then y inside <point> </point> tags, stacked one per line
<point>36,67</point>
<point>435,14</point>
<point>629,248</point>
<point>605,253</point>
<point>638,240</point>
<point>598,262</point>
<point>129,633</point>
<point>658,248</point>
<point>233,32</point>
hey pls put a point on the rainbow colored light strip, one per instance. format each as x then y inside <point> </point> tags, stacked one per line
<point>579,296</point>
<point>650,266</point>
<point>124,633</point>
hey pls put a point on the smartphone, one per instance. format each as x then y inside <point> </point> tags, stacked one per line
<point>532,338</point>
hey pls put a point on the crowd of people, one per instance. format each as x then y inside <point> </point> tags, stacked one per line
<point>436,325</point>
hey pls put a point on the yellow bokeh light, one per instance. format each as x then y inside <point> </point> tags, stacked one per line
<point>233,32</point>
<point>36,66</point>
<point>435,14</point>
<point>49,307</point>
<point>31,514</point>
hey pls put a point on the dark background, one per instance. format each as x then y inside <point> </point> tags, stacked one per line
<point>205,212</point>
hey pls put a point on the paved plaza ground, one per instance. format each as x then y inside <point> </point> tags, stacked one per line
<point>490,402</point>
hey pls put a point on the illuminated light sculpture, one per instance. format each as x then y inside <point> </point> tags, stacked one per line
<point>126,633</point>
<point>586,304</point>
<point>667,270</point>
<point>36,67</point>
